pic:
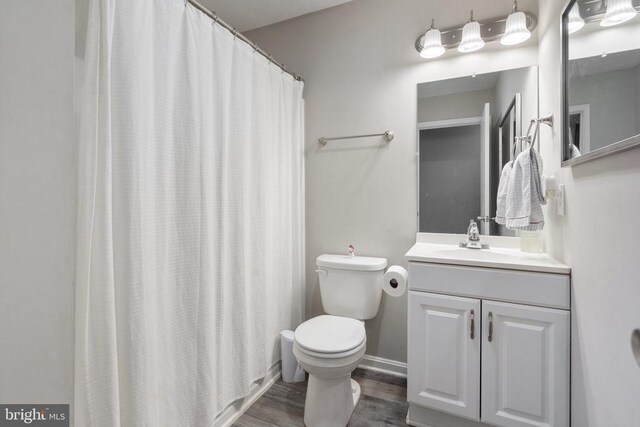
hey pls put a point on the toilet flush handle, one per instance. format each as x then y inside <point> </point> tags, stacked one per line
<point>322,272</point>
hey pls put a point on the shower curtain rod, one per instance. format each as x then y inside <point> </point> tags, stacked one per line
<point>236,33</point>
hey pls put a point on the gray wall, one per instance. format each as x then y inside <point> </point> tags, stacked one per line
<point>449,178</point>
<point>36,201</point>
<point>361,72</point>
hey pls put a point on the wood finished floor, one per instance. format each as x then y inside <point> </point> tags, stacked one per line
<point>383,403</point>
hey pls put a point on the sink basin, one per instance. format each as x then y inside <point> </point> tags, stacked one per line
<point>492,254</point>
<point>503,253</point>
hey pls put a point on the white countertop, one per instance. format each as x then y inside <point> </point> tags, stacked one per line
<point>503,252</point>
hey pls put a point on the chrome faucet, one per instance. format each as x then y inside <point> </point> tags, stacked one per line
<point>473,234</point>
<point>473,237</point>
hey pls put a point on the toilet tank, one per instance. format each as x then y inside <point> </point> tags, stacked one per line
<point>350,286</point>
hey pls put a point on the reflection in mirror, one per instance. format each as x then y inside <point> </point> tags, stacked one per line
<point>509,129</point>
<point>467,132</point>
<point>601,60</point>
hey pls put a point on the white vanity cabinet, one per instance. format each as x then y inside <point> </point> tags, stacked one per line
<point>487,346</point>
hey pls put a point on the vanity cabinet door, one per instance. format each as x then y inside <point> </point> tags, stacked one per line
<point>525,365</point>
<point>444,353</point>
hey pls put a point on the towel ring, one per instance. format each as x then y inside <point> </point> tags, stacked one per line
<point>517,145</point>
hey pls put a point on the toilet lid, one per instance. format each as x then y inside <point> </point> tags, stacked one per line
<point>330,334</point>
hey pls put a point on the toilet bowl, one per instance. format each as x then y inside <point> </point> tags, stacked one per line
<point>329,348</point>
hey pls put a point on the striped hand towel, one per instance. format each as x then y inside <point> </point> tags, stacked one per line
<point>524,194</point>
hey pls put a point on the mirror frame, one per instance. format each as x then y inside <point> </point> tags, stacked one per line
<point>564,53</point>
<point>608,150</point>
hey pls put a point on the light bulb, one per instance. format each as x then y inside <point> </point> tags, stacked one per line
<point>432,47</point>
<point>575,21</point>
<point>516,30</point>
<point>471,39</point>
<point>618,11</point>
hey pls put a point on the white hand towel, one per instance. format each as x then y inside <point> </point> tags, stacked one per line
<point>524,195</point>
<point>503,186</point>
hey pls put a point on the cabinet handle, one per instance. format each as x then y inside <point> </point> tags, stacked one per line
<point>490,326</point>
<point>473,325</point>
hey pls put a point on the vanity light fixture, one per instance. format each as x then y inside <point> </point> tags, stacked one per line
<point>618,11</point>
<point>575,21</point>
<point>516,30</point>
<point>471,39</point>
<point>432,47</point>
<point>511,29</point>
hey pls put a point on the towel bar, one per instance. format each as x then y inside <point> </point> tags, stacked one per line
<point>388,136</point>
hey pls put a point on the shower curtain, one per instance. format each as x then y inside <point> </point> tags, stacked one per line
<point>190,216</point>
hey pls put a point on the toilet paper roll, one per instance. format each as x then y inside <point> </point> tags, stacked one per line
<point>394,281</point>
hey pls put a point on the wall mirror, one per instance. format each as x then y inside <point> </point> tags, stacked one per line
<point>467,132</point>
<point>601,78</point>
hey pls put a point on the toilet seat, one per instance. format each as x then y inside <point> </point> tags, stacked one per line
<point>330,336</point>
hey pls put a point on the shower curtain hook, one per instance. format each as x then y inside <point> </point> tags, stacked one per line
<point>283,69</point>
<point>255,47</point>
<point>215,17</point>
<point>235,34</point>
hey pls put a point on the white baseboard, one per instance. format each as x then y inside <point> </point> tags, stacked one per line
<point>386,366</point>
<point>232,412</point>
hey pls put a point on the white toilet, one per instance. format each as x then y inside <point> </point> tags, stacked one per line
<point>330,347</point>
